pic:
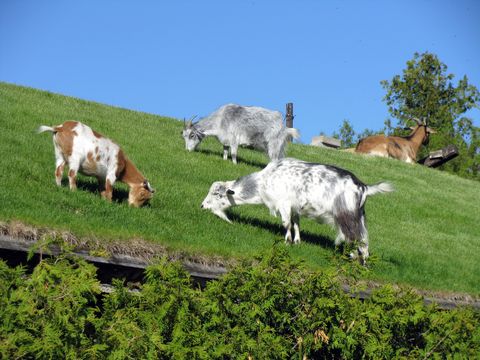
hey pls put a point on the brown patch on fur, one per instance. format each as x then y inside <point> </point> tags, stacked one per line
<point>121,163</point>
<point>72,179</point>
<point>107,194</point>
<point>89,166</point>
<point>59,170</point>
<point>64,135</point>
<point>97,158</point>
<point>129,174</point>
<point>97,135</point>
<point>96,149</point>
<point>127,171</point>
<point>59,173</point>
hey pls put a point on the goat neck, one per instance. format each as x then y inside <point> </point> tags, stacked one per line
<point>128,172</point>
<point>417,137</point>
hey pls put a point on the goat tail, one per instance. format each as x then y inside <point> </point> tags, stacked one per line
<point>44,128</point>
<point>294,133</point>
<point>382,187</point>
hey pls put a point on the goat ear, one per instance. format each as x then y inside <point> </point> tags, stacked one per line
<point>230,192</point>
<point>431,131</point>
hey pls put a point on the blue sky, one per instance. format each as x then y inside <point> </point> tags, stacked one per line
<point>184,58</point>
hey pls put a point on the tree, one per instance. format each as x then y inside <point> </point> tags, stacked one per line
<point>350,138</point>
<point>346,134</point>
<point>366,133</point>
<point>426,91</point>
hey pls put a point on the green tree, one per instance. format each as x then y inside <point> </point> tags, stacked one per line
<point>426,91</point>
<point>365,133</point>
<point>350,138</point>
<point>346,134</point>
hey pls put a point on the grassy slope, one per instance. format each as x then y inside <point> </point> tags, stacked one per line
<point>426,234</point>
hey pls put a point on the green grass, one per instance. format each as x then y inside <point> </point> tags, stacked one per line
<point>426,234</point>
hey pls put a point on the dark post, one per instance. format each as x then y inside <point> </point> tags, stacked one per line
<point>289,118</point>
<point>289,115</point>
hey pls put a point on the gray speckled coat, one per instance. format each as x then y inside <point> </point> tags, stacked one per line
<point>235,125</point>
<point>297,188</point>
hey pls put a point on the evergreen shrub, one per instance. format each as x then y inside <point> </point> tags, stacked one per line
<point>273,309</point>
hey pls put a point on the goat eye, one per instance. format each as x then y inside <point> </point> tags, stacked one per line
<point>192,136</point>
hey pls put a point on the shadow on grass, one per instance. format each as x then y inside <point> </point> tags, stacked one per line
<point>119,195</point>
<point>278,229</point>
<point>239,158</point>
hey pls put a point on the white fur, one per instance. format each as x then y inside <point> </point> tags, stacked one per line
<point>106,158</point>
<point>294,188</point>
<point>235,126</point>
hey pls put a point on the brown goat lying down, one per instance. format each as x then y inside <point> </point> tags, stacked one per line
<point>397,147</point>
<point>86,151</point>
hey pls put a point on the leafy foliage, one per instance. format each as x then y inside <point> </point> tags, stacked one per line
<point>346,134</point>
<point>350,138</point>
<point>274,309</point>
<point>426,91</point>
<point>49,313</point>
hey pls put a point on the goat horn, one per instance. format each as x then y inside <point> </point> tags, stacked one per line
<point>146,185</point>
<point>419,122</point>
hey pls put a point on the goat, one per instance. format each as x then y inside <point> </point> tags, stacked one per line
<point>293,187</point>
<point>397,147</point>
<point>235,125</point>
<point>88,152</point>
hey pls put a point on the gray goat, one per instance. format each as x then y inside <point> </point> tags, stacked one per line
<point>292,188</point>
<point>235,125</point>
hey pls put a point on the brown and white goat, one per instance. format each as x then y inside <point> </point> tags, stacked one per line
<point>86,151</point>
<point>397,147</point>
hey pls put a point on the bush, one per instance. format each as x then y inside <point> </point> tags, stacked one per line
<point>272,310</point>
<point>49,313</point>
